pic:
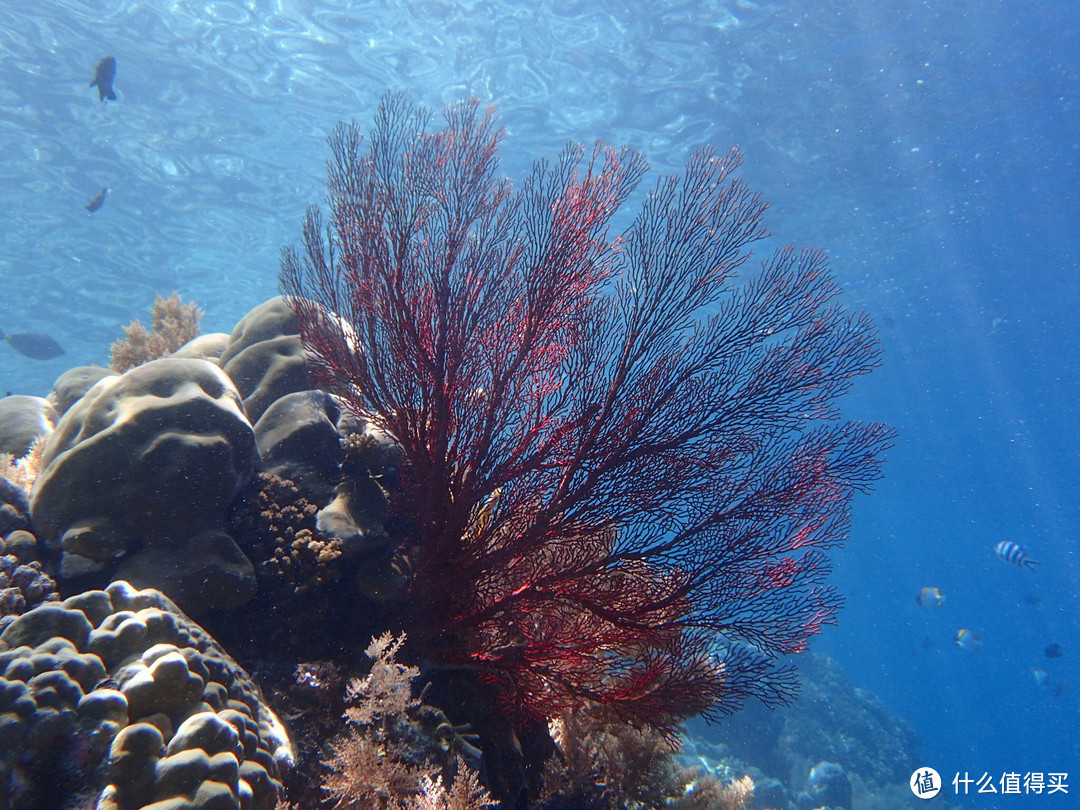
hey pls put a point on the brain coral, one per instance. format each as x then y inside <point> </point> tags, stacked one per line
<point>126,696</point>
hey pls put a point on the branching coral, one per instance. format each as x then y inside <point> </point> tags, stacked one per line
<point>382,763</point>
<point>304,581</point>
<point>465,793</point>
<point>173,324</point>
<point>712,794</point>
<point>275,525</point>
<point>603,764</point>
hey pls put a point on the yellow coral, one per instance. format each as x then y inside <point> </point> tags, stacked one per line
<point>372,768</point>
<point>174,324</point>
<point>604,763</point>
<point>709,792</point>
<point>466,792</point>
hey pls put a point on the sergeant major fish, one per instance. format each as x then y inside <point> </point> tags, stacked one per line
<point>1014,553</point>
<point>103,78</point>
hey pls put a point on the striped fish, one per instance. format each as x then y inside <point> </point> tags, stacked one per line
<point>1014,554</point>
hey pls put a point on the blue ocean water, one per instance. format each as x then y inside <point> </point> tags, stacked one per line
<point>930,147</point>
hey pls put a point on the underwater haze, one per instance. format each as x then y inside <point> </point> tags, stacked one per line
<point>931,147</point>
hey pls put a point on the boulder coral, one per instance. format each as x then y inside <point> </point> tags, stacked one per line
<point>264,357</point>
<point>70,386</point>
<point>118,694</point>
<point>23,420</point>
<point>23,585</point>
<point>136,479</point>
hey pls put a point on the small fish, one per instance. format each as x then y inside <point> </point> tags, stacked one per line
<point>36,345</point>
<point>402,566</point>
<point>968,640</point>
<point>487,511</point>
<point>103,78</point>
<point>1041,677</point>
<point>1014,553</point>
<point>98,201</point>
<point>1053,651</point>
<point>930,597</point>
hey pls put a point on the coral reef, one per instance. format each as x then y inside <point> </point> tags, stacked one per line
<point>21,545</point>
<point>117,692</point>
<point>596,509</point>
<point>368,511</point>
<point>17,477</point>
<point>23,586</point>
<point>298,439</point>
<point>834,740</point>
<point>173,323</point>
<point>14,506</point>
<point>204,347</point>
<point>827,786</point>
<point>22,471</point>
<point>307,605</point>
<point>837,722</point>
<point>331,562</point>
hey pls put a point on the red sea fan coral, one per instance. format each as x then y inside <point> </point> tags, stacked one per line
<point>623,462</point>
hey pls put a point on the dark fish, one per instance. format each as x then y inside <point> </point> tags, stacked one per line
<point>34,344</point>
<point>1053,651</point>
<point>98,201</point>
<point>103,78</point>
